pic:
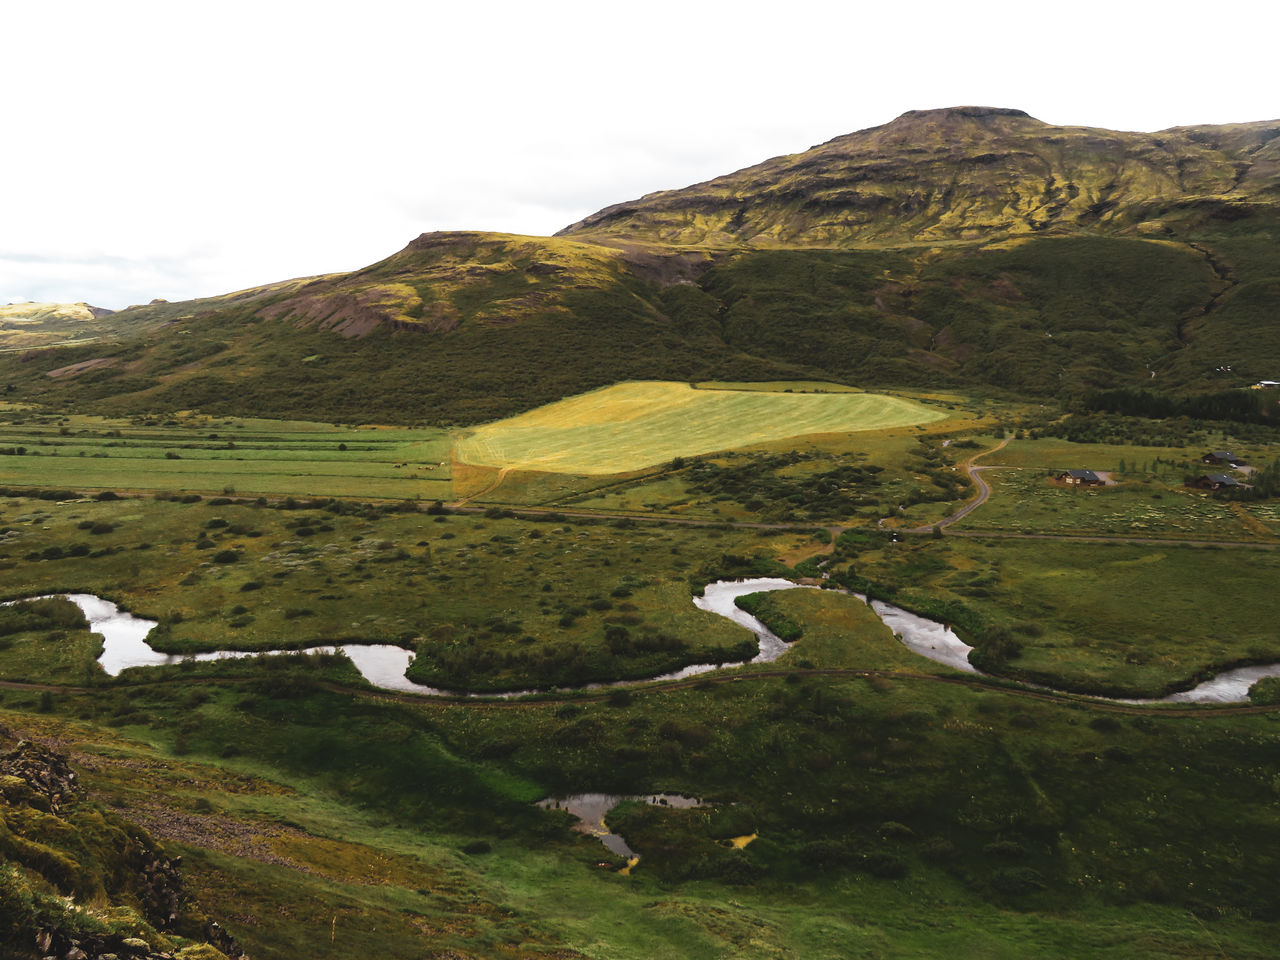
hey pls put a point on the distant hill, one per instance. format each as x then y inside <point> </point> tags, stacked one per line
<point>970,248</point>
<point>27,325</point>
<point>967,173</point>
<point>52,311</point>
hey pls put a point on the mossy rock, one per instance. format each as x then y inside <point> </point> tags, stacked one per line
<point>200,951</point>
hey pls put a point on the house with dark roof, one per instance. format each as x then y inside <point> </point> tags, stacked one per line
<point>1081,478</point>
<point>1216,481</point>
<point>1222,457</point>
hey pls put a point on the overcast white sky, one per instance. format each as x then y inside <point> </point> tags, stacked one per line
<point>183,149</point>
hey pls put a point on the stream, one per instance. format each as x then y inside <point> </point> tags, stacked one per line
<point>124,645</point>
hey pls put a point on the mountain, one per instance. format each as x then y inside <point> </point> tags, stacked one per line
<point>27,325</point>
<point>966,173</point>
<point>971,248</point>
<point>52,311</point>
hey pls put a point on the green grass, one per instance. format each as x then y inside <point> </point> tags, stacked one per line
<point>286,860</point>
<point>839,632</point>
<point>486,602</point>
<point>214,455</point>
<point>1117,619</point>
<point>634,425</point>
<point>1143,505</point>
<point>855,479</point>
<point>958,821</point>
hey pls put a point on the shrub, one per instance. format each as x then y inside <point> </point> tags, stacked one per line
<point>620,697</point>
<point>1265,692</point>
<point>225,556</point>
<point>884,865</point>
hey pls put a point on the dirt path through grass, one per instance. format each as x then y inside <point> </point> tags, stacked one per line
<point>984,491</point>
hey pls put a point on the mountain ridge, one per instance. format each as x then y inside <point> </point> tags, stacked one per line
<point>968,248</point>
<point>958,173</point>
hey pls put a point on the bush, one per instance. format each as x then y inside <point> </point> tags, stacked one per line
<point>1014,881</point>
<point>884,866</point>
<point>1266,692</point>
<point>225,556</point>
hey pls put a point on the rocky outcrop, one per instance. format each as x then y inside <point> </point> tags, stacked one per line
<point>134,869</point>
<point>161,889</point>
<point>46,774</point>
<point>56,945</point>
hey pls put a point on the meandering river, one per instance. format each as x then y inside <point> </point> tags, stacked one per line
<point>124,645</point>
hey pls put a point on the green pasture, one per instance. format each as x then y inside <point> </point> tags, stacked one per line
<point>769,490</point>
<point>1028,500</point>
<point>1118,619</point>
<point>1130,618</point>
<point>1146,494</point>
<point>838,631</point>
<point>629,426</point>
<point>210,455</point>
<point>1059,454</point>
<point>486,602</point>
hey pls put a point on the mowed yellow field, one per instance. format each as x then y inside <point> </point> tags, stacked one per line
<point>629,426</point>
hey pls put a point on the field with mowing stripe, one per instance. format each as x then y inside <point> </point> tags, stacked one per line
<point>215,455</point>
<point>629,426</point>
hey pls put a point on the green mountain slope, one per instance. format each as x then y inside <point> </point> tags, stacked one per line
<point>969,248</point>
<point>965,173</point>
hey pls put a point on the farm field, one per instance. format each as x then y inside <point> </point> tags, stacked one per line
<point>214,455</point>
<point>629,426</point>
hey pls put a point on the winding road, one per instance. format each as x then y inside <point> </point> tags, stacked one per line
<point>984,491</point>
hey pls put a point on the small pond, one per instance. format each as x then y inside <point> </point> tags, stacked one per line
<point>590,810</point>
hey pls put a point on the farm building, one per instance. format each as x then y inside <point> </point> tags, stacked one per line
<point>1220,457</point>
<point>1215,481</point>
<point>1082,478</point>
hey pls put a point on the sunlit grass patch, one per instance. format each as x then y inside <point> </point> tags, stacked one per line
<point>632,425</point>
